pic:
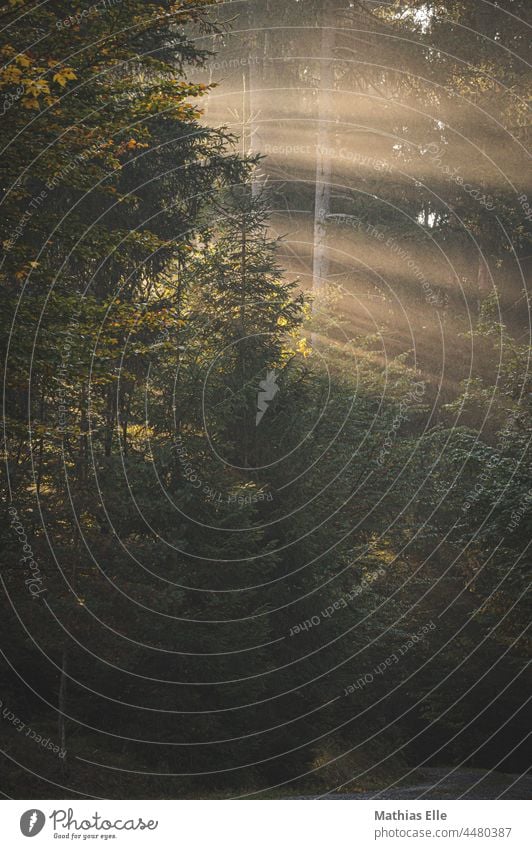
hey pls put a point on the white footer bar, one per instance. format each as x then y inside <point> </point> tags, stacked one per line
<point>311,824</point>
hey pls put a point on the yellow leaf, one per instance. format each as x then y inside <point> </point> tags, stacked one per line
<point>10,75</point>
<point>63,76</point>
<point>36,87</point>
<point>304,348</point>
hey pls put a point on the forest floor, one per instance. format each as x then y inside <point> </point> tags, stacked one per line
<point>441,783</point>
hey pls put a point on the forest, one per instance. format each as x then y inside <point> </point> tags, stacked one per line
<point>266,466</point>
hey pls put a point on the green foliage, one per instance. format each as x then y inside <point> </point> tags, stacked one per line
<point>196,477</point>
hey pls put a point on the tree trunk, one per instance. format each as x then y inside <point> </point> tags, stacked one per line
<point>322,202</point>
<point>255,78</point>
<point>61,706</point>
<point>109,421</point>
<point>83,437</point>
<point>483,276</point>
<point>41,444</point>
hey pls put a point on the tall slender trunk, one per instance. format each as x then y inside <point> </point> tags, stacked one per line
<point>322,201</point>
<point>125,413</point>
<point>255,79</point>
<point>109,421</point>
<point>61,706</point>
<point>207,102</point>
<point>243,341</point>
<point>62,697</point>
<point>484,240</point>
<point>83,458</point>
<point>41,443</point>
<point>483,276</point>
<point>175,412</point>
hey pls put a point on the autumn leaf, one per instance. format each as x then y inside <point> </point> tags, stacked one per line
<point>10,75</point>
<point>23,60</point>
<point>36,87</point>
<point>304,348</point>
<point>63,76</point>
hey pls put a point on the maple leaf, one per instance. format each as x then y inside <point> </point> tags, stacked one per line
<point>36,87</point>
<point>10,75</point>
<point>63,76</point>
